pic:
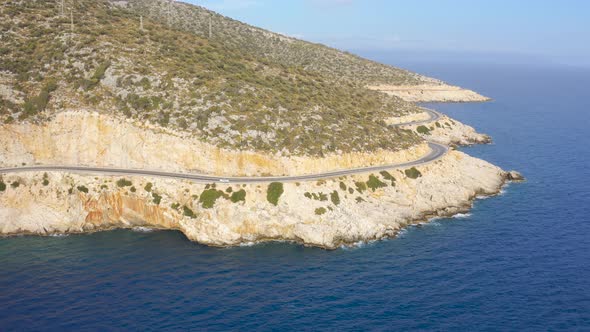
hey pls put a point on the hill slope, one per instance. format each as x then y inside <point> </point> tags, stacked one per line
<point>253,91</point>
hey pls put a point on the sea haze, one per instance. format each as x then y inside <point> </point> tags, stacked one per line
<point>520,260</point>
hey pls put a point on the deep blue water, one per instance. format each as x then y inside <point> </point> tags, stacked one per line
<point>521,261</point>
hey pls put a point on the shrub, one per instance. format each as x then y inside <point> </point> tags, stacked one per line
<point>45,179</point>
<point>148,187</point>
<point>387,176</point>
<point>375,183</point>
<point>238,196</point>
<point>350,191</point>
<point>15,184</point>
<point>82,189</point>
<point>423,130</point>
<point>308,195</point>
<point>157,198</point>
<point>360,186</point>
<point>342,186</point>
<point>335,198</point>
<point>274,192</point>
<point>209,196</point>
<point>124,183</point>
<point>188,212</point>
<point>132,189</point>
<point>413,173</point>
<point>2,186</point>
<point>175,206</point>
<point>320,211</point>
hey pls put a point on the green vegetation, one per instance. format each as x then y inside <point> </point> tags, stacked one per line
<point>132,189</point>
<point>360,186</point>
<point>238,196</point>
<point>387,176</point>
<point>188,212</point>
<point>157,199</point>
<point>82,189</point>
<point>274,192</point>
<point>413,173</point>
<point>423,130</point>
<point>15,184</point>
<point>374,183</point>
<point>209,196</point>
<point>320,211</point>
<point>2,186</point>
<point>45,179</point>
<point>342,186</point>
<point>335,198</point>
<point>175,206</point>
<point>148,187</point>
<point>124,183</point>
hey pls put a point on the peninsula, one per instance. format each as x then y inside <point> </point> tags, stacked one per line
<point>159,114</point>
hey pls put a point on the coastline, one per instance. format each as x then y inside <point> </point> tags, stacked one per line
<point>34,208</point>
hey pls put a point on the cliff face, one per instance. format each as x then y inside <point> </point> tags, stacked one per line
<point>85,138</point>
<point>309,212</point>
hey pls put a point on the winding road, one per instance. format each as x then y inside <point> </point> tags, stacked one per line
<point>437,152</point>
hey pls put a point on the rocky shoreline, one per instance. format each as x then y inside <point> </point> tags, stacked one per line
<point>365,207</point>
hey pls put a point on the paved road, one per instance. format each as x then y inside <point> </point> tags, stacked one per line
<point>434,116</point>
<point>437,152</point>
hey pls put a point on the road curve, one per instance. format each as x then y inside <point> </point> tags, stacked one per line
<point>437,152</point>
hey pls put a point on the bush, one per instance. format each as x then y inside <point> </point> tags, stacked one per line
<point>124,183</point>
<point>209,196</point>
<point>413,173</point>
<point>387,176</point>
<point>175,206</point>
<point>45,179</point>
<point>148,187</point>
<point>188,212</point>
<point>82,189</point>
<point>132,189</point>
<point>423,130</point>
<point>360,186</point>
<point>335,198</point>
<point>157,198</point>
<point>342,186</point>
<point>2,186</point>
<point>238,196</point>
<point>15,184</point>
<point>375,183</point>
<point>274,192</point>
<point>320,211</point>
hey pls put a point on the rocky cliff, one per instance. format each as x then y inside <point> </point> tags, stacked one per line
<point>327,213</point>
<point>93,139</point>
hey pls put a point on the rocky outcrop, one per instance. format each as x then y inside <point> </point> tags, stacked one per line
<point>309,212</point>
<point>430,93</point>
<point>450,132</point>
<point>93,139</point>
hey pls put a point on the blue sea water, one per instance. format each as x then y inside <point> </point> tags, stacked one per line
<point>519,261</point>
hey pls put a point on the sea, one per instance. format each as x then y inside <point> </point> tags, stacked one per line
<point>519,261</point>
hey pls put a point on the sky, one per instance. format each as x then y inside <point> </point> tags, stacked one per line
<point>556,30</point>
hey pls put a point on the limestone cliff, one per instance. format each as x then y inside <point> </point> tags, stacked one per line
<point>93,139</point>
<point>327,213</point>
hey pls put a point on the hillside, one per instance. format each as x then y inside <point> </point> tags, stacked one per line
<point>244,88</point>
<point>274,47</point>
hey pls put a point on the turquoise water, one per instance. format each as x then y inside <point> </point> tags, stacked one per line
<point>519,261</point>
